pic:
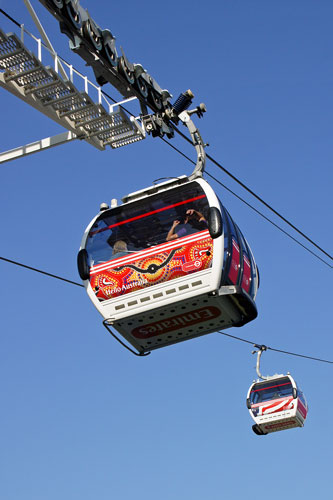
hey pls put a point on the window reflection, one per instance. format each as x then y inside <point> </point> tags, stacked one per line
<point>273,389</point>
<point>130,228</point>
<point>301,396</point>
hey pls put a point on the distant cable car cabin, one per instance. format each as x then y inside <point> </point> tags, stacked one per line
<point>169,263</point>
<point>275,403</point>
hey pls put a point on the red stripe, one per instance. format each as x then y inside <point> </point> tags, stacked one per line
<point>147,214</point>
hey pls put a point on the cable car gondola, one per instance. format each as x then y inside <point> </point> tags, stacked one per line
<point>169,263</point>
<point>275,403</point>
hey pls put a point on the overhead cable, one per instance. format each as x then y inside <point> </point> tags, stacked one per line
<point>277,350</point>
<point>41,272</point>
<point>252,207</point>
<point>222,333</point>
<point>269,220</point>
<point>10,18</point>
<point>257,197</point>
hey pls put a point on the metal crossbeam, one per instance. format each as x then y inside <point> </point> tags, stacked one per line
<point>23,75</point>
<point>35,147</point>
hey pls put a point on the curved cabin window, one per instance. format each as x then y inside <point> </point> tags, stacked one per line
<point>166,216</point>
<point>227,243</point>
<point>255,277</point>
<point>234,249</point>
<point>272,389</point>
<point>247,268</point>
<point>301,396</point>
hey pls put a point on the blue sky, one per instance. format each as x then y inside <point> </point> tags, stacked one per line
<point>81,417</point>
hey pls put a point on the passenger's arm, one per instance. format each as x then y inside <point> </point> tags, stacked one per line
<point>172,235</point>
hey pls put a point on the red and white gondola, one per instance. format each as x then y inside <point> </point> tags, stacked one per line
<point>169,263</point>
<point>275,403</point>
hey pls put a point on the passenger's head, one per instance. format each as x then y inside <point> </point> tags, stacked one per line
<point>119,246</point>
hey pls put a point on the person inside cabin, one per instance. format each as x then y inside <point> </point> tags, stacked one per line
<point>192,222</point>
<point>119,249</point>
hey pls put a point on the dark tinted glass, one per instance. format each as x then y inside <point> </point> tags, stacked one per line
<point>272,389</point>
<point>139,225</point>
<point>301,397</point>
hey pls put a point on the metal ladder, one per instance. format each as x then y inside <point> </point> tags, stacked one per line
<point>24,75</point>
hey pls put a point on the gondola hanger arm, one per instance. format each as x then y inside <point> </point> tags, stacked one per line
<point>261,349</point>
<point>185,117</point>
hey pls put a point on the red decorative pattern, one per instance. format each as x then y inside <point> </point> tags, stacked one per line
<point>276,406</point>
<point>127,274</point>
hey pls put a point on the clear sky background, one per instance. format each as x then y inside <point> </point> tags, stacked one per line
<point>83,419</point>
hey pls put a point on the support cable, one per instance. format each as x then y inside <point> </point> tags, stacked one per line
<point>221,333</point>
<point>41,272</point>
<point>276,350</point>
<point>252,207</point>
<point>10,18</point>
<point>257,197</point>
<point>269,220</point>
